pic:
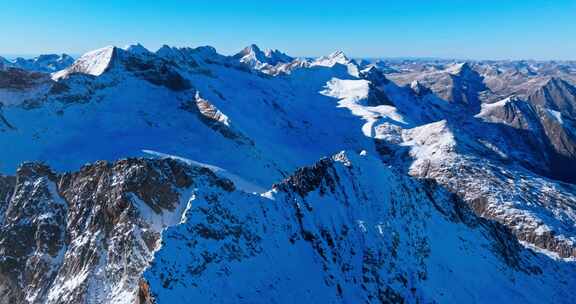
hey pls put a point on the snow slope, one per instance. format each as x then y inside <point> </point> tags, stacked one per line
<point>348,230</point>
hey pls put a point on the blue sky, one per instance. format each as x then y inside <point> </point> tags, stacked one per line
<point>513,29</point>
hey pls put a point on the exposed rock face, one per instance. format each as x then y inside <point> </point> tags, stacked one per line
<point>340,231</point>
<point>20,79</point>
<point>85,237</point>
<point>466,86</point>
<point>420,89</point>
<point>557,95</point>
<point>375,76</point>
<point>7,184</point>
<point>23,88</point>
<point>513,112</point>
<point>512,195</point>
<point>136,61</point>
<point>214,119</point>
<point>350,227</point>
<point>32,235</point>
<point>459,84</point>
<point>546,135</point>
<point>157,72</point>
<point>256,58</point>
<point>144,296</point>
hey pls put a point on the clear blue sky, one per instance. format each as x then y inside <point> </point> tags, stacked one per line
<point>512,29</point>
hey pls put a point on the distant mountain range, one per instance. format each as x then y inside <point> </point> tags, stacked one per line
<point>183,175</point>
<point>43,63</point>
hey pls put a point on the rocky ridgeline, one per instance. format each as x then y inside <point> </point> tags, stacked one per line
<point>84,237</point>
<point>346,229</point>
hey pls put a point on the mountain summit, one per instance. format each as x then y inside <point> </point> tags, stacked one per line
<point>256,58</point>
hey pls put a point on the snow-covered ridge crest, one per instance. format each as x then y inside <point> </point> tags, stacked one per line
<point>268,61</point>
<point>45,63</point>
<point>458,68</point>
<point>137,49</point>
<point>353,228</point>
<point>133,61</point>
<point>137,59</point>
<point>97,228</point>
<point>337,57</point>
<point>240,183</point>
<point>93,63</point>
<point>191,56</point>
<point>255,57</point>
<point>355,95</point>
<point>332,59</point>
<point>97,62</point>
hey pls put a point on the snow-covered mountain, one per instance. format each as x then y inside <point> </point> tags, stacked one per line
<point>347,230</point>
<point>44,63</point>
<point>221,179</point>
<point>256,58</point>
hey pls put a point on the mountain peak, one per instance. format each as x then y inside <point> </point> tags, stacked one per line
<point>556,94</point>
<point>192,57</point>
<point>459,68</point>
<point>556,82</point>
<point>93,63</point>
<point>256,58</point>
<point>137,49</point>
<point>45,63</point>
<point>253,47</point>
<point>253,50</point>
<point>278,56</point>
<point>419,88</point>
<point>374,75</point>
<point>337,57</point>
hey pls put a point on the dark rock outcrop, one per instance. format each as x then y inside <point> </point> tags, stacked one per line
<point>62,233</point>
